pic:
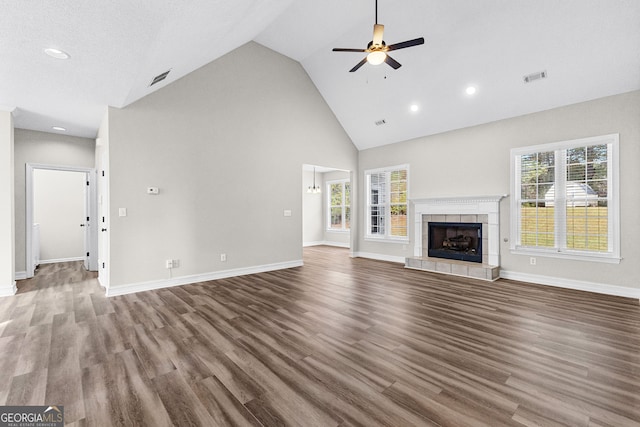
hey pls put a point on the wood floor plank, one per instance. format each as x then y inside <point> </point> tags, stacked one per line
<point>182,404</point>
<point>338,342</point>
<point>222,405</point>
<point>34,352</point>
<point>28,389</point>
<point>153,358</point>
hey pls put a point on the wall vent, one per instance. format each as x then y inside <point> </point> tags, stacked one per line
<point>159,78</point>
<point>535,76</point>
<point>380,122</point>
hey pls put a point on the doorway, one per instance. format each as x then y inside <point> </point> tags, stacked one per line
<point>62,212</point>
<point>328,217</point>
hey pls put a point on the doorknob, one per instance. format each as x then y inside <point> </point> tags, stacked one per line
<point>81,225</point>
<point>104,229</point>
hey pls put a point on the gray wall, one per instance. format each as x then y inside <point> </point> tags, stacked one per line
<point>7,249</point>
<point>483,152</point>
<point>44,148</point>
<point>225,145</point>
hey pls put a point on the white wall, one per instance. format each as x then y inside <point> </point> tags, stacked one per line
<point>483,153</point>
<point>7,248</point>
<point>45,148</point>
<point>58,206</point>
<point>225,145</point>
<point>312,217</point>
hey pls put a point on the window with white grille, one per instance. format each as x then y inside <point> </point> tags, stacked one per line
<point>565,199</point>
<point>386,203</point>
<point>339,205</point>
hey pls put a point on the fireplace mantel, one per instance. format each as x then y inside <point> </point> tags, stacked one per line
<point>472,205</point>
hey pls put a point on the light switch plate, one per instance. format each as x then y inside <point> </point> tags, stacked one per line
<point>122,211</point>
<point>287,212</point>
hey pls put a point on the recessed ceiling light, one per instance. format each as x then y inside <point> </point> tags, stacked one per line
<point>57,53</point>
<point>60,128</point>
<point>471,90</point>
<point>414,107</point>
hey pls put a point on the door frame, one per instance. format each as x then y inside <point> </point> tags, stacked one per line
<point>92,226</point>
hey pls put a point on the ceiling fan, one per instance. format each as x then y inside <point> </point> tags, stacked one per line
<point>377,49</point>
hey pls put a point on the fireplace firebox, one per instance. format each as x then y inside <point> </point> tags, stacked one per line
<point>455,240</point>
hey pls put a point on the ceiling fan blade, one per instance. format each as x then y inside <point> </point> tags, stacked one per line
<point>408,43</point>
<point>394,64</point>
<point>378,31</point>
<point>360,64</point>
<point>339,49</point>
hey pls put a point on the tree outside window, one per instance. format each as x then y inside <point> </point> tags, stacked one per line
<point>387,209</point>
<point>563,199</point>
<point>339,193</point>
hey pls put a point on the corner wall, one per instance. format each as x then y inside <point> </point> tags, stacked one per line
<point>225,146</point>
<point>482,153</point>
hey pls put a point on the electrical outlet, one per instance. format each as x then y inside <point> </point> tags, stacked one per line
<point>176,263</point>
<point>168,263</point>
<point>223,257</point>
<point>532,260</point>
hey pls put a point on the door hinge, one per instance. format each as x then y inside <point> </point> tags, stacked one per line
<point>87,253</point>
<point>103,265</point>
<point>87,218</point>
<point>102,219</point>
<point>102,173</point>
<point>87,182</point>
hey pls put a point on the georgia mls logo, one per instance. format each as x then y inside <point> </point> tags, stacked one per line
<point>32,416</point>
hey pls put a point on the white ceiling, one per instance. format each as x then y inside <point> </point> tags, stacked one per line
<point>589,48</point>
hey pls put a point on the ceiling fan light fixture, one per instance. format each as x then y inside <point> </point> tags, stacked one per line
<point>376,57</point>
<point>315,189</point>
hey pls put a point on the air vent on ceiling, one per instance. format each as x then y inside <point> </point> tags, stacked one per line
<point>159,78</point>
<point>380,122</point>
<point>535,76</point>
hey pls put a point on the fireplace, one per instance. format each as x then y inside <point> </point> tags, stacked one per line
<point>455,240</point>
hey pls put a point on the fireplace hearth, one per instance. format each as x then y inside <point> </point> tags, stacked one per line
<point>483,209</point>
<point>455,240</point>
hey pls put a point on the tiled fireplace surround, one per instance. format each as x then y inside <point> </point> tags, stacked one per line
<point>485,210</point>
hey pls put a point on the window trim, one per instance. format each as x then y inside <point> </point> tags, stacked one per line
<point>367,220</point>
<point>613,178</point>
<point>344,206</point>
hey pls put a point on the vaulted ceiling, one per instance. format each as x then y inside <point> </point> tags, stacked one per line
<point>588,48</point>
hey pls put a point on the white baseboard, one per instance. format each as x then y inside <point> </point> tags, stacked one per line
<point>326,243</point>
<point>9,290</point>
<point>379,257</point>
<point>21,275</point>
<point>54,261</point>
<point>580,285</point>
<point>196,278</point>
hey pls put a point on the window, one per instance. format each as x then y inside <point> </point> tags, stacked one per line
<point>339,203</point>
<point>387,192</point>
<point>565,199</point>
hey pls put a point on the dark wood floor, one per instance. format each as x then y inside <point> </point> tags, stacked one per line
<point>337,342</point>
